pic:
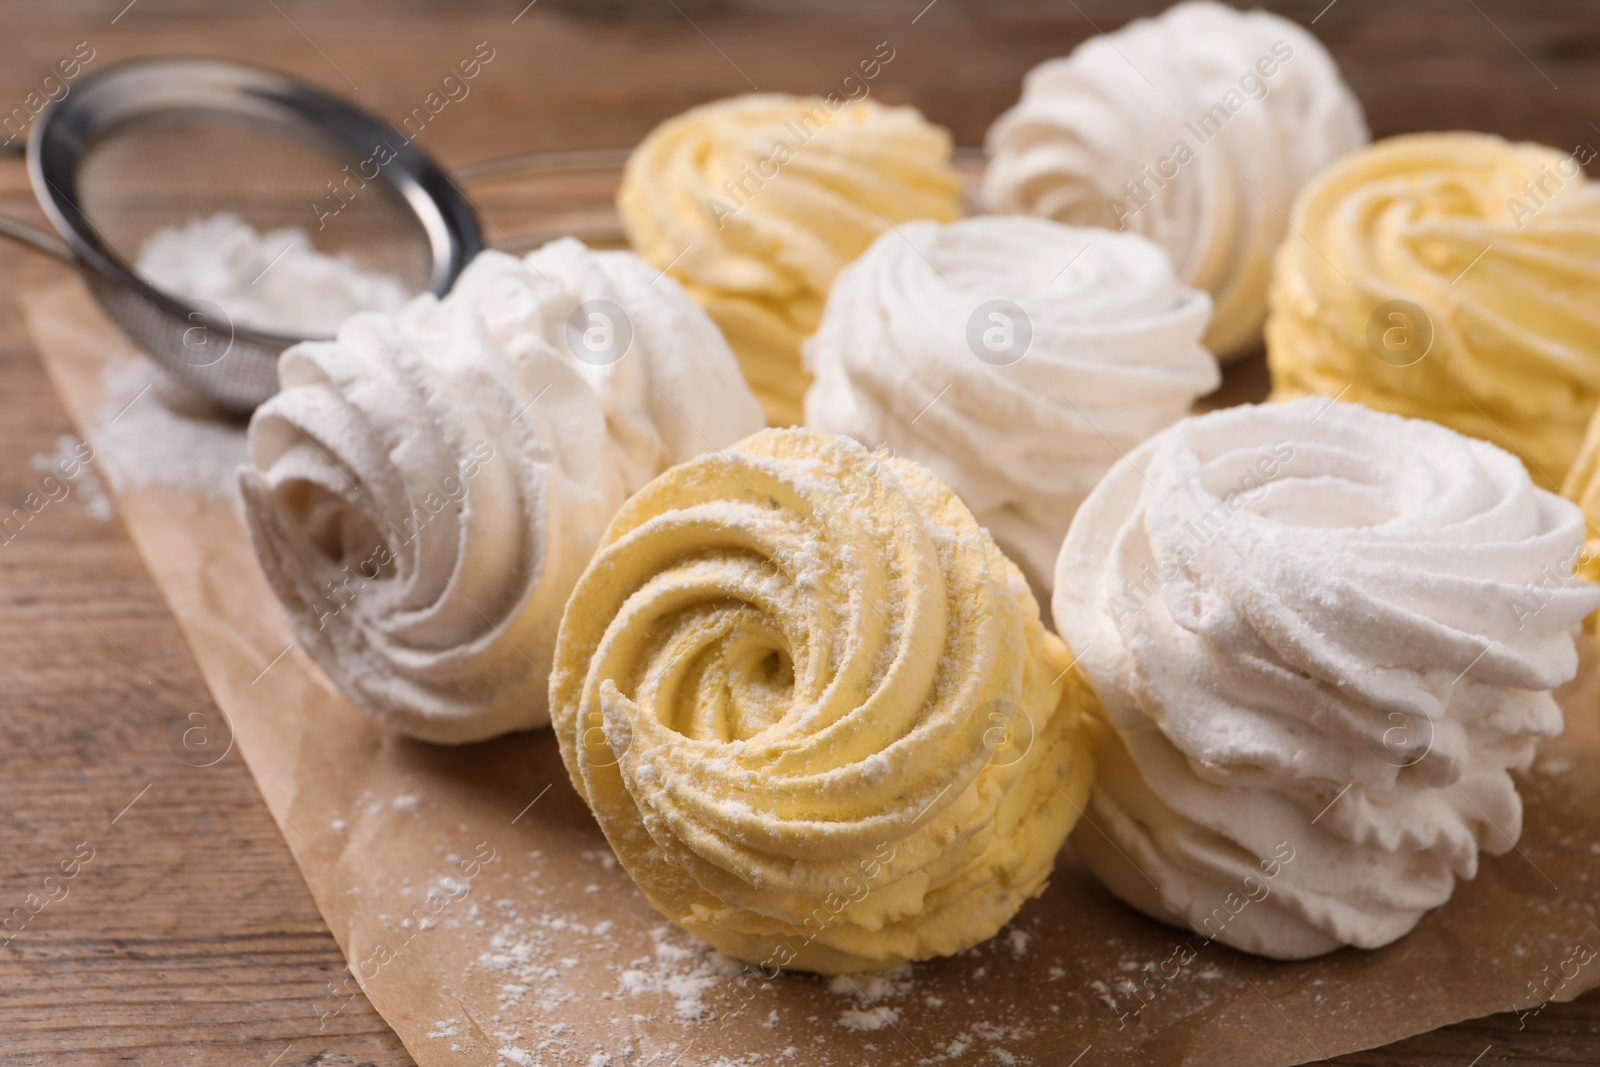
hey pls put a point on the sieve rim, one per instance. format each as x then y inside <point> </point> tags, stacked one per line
<point>138,89</point>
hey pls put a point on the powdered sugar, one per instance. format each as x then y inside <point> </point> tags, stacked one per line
<point>150,430</point>
<point>868,1018</point>
<point>680,969</point>
<point>71,463</point>
<point>272,281</point>
<point>874,987</point>
<point>662,997</point>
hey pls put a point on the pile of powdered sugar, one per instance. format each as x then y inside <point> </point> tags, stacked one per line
<point>271,281</point>
<point>151,430</point>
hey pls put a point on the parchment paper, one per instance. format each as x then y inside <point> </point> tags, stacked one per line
<point>535,948</point>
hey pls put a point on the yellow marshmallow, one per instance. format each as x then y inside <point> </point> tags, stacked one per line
<point>755,203</point>
<point>814,710</point>
<point>1498,246</point>
<point>1582,487</point>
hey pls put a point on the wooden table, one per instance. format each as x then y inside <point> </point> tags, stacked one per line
<point>190,938</point>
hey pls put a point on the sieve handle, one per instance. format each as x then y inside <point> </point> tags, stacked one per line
<point>538,164</point>
<point>545,164</point>
<point>37,239</point>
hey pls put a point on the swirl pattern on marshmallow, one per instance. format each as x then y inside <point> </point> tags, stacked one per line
<point>1321,635</point>
<point>755,203</point>
<point>1493,247</point>
<point>814,709</point>
<point>426,488</point>
<point>1195,129</point>
<point>1582,487</point>
<point>1098,347</point>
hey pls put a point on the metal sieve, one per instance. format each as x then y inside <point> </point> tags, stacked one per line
<point>153,143</point>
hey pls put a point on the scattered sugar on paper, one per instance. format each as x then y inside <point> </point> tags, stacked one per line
<point>71,462</point>
<point>875,986</point>
<point>543,963</point>
<point>684,971</point>
<point>152,430</point>
<point>875,1018</point>
<point>1553,766</point>
<point>273,281</point>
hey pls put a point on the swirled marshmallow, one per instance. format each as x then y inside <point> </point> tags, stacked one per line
<point>1195,129</point>
<point>1450,277</point>
<point>1017,358</point>
<point>1582,487</point>
<point>814,710</point>
<point>426,488</point>
<point>754,203</point>
<point>1322,636</point>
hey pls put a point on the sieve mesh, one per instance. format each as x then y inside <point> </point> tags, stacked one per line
<point>153,144</point>
<point>164,169</point>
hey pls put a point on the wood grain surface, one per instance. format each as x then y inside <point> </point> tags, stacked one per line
<point>188,937</point>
